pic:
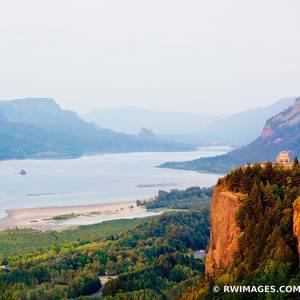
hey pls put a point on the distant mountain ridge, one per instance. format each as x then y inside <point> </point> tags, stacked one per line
<point>39,128</point>
<point>45,113</point>
<point>280,133</point>
<point>130,119</point>
<point>192,128</point>
<point>243,127</point>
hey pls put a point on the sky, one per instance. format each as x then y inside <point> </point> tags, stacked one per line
<point>210,57</point>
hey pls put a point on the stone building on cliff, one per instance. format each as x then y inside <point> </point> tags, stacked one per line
<point>283,158</point>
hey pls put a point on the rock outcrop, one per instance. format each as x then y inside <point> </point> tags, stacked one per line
<point>296,221</point>
<point>146,134</point>
<point>224,232</point>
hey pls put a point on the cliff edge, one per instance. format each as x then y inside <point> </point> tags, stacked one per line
<point>224,232</point>
<point>296,221</point>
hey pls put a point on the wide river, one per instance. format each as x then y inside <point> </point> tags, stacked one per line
<point>96,179</point>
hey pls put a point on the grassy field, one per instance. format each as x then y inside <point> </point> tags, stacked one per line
<point>21,241</point>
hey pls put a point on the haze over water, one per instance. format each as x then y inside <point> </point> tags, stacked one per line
<point>96,179</point>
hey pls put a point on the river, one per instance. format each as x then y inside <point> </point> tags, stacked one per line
<point>96,179</point>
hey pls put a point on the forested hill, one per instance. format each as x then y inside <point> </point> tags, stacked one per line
<point>40,128</point>
<point>281,133</point>
<point>151,261</point>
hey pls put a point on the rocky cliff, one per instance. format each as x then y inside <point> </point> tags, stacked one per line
<point>224,232</point>
<point>255,232</point>
<point>296,221</point>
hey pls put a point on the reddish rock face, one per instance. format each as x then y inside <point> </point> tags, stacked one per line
<point>296,221</point>
<point>267,131</point>
<point>224,232</point>
<point>277,141</point>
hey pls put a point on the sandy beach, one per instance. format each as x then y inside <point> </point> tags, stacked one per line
<point>55,218</point>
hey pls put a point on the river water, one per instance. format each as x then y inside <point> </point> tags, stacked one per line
<point>96,179</point>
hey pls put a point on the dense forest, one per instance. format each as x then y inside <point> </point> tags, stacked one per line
<point>190,198</point>
<point>267,247</point>
<point>152,259</point>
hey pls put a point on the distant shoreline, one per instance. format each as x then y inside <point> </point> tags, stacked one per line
<point>42,156</point>
<point>60,217</point>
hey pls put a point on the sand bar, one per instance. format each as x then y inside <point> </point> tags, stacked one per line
<point>56,217</point>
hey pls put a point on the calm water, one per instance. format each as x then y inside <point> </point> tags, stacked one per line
<point>96,179</point>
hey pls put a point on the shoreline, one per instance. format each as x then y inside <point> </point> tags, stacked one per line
<point>61,217</point>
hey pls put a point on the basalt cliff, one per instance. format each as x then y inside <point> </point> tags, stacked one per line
<point>296,222</point>
<point>224,232</point>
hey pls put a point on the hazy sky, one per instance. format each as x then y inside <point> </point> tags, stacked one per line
<point>193,55</point>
